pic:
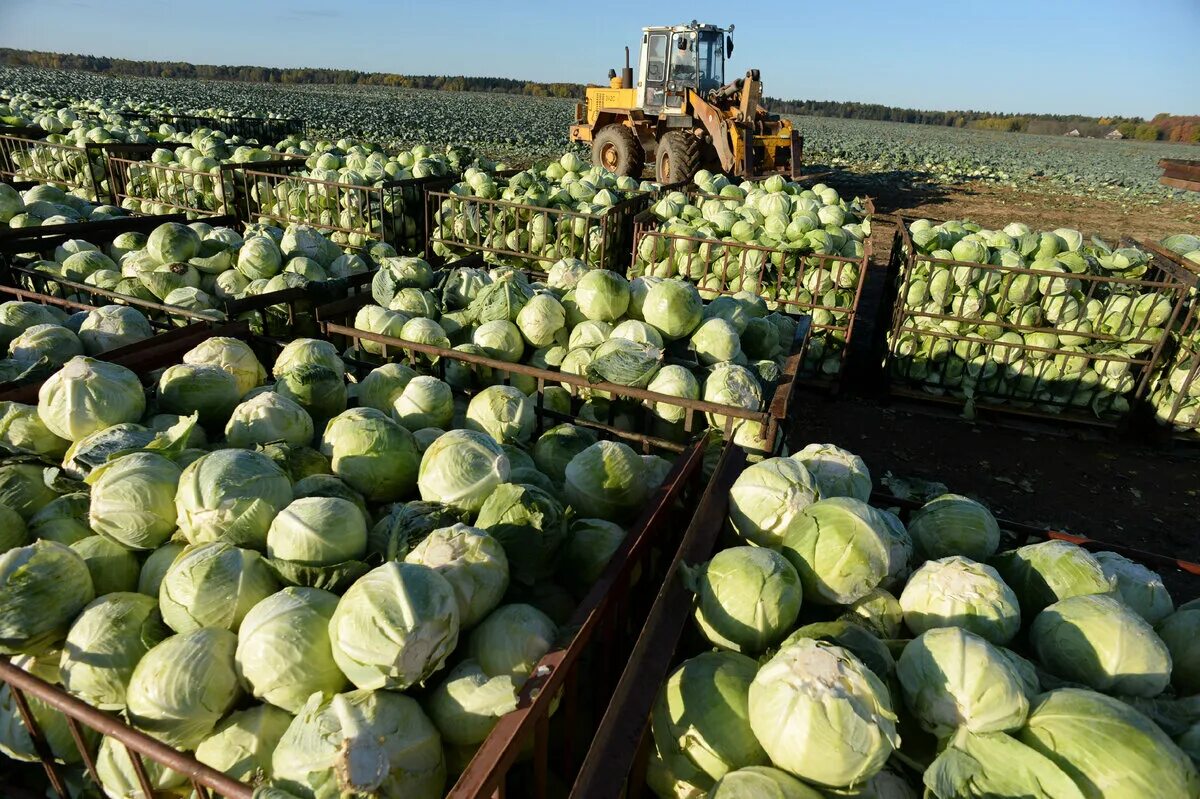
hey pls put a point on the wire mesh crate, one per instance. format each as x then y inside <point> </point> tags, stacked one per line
<point>827,288</point>
<point>352,215</point>
<point>1043,343</point>
<point>528,235</point>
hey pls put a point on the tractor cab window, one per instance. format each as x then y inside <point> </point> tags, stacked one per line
<point>656,58</point>
<point>683,61</point>
<point>711,52</point>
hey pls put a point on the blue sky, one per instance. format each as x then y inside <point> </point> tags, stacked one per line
<point>1132,57</point>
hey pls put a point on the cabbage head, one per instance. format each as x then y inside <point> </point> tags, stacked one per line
<point>531,526</point>
<point>840,549</point>
<point>133,500</point>
<point>382,385</point>
<point>762,782</point>
<point>590,545</point>
<point>954,525</point>
<point>700,721</point>
<point>954,679</point>
<point>234,356</point>
<point>242,744</point>
<point>466,705</point>
<point>461,469</point>
<point>1109,750</point>
<point>183,686</point>
<point>87,395</point>
<point>105,643</point>
<point>112,326</point>
<point>43,587</point>
<point>1044,573</point>
<point>213,585</point>
<point>994,764</point>
<point>473,562</point>
<point>555,448</point>
<point>767,498</point>
<point>360,743</point>
<point>1137,586</point>
<point>811,690</point>
<point>372,454</point>
<point>22,431</point>
<point>511,641</point>
<point>231,495</point>
<point>112,566</point>
<point>64,520</point>
<point>838,472</point>
<point>747,598</point>
<point>673,307</point>
<point>602,295</point>
<point>958,592</point>
<point>284,654</point>
<point>503,412</point>
<point>268,417</point>
<point>606,481</point>
<point>395,626</point>
<point>1098,641</point>
<point>424,402</point>
<point>318,531</point>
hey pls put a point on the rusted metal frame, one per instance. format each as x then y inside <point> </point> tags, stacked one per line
<point>317,291</point>
<point>13,144</point>
<point>489,767</point>
<point>136,743</point>
<point>606,768</point>
<point>154,172</point>
<point>341,191</point>
<point>40,745</point>
<point>939,333</point>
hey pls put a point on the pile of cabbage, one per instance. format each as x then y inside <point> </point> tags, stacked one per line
<point>198,267</point>
<point>652,333</point>
<point>1043,339</point>
<point>852,655</point>
<point>568,184</point>
<point>1175,394</point>
<point>320,585</point>
<point>350,164</point>
<point>766,238</point>
<point>46,204</point>
<point>39,339</point>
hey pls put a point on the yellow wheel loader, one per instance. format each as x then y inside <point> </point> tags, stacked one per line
<point>681,115</point>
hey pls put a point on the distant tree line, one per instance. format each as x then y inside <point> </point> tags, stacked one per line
<point>1163,127</point>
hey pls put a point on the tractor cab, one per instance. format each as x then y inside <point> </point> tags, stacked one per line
<point>678,58</point>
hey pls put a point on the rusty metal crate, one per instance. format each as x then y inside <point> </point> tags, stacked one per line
<point>600,239</point>
<point>166,334</point>
<point>779,276</point>
<point>1037,388</point>
<point>1174,398</point>
<point>41,242</point>
<point>556,707</point>
<point>135,179</point>
<point>264,130</point>
<point>774,421</point>
<point>26,155</point>
<point>615,766</point>
<point>393,211</point>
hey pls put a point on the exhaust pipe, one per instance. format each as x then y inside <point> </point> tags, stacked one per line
<point>627,73</point>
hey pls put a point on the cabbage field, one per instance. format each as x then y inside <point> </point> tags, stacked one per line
<point>534,128</point>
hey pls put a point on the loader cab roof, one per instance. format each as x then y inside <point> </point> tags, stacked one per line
<point>688,27</point>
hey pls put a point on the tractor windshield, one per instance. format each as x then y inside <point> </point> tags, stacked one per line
<point>711,51</point>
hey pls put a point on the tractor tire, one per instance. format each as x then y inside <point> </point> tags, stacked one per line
<point>617,149</point>
<point>678,157</point>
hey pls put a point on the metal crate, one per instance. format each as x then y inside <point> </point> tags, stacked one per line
<point>615,766</point>
<point>264,130</point>
<point>1174,398</point>
<point>1036,387</point>
<point>134,178</point>
<point>337,324</point>
<point>568,687</point>
<point>392,211</point>
<point>500,230</point>
<point>25,155</point>
<point>781,277</point>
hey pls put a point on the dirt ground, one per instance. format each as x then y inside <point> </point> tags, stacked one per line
<point>1120,488</point>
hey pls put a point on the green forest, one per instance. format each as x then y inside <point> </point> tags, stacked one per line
<point>1163,127</point>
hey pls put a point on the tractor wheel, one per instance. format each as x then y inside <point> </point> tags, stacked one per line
<point>617,149</point>
<point>678,157</point>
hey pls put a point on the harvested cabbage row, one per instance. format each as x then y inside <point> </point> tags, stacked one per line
<point>800,249</point>
<point>652,333</point>
<point>1041,321</point>
<point>40,339</point>
<point>262,567</point>
<point>49,205</point>
<point>857,656</point>
<point>536,217</point>
<point>199,268</point>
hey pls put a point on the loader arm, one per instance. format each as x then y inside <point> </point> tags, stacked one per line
<point>717,126</point>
